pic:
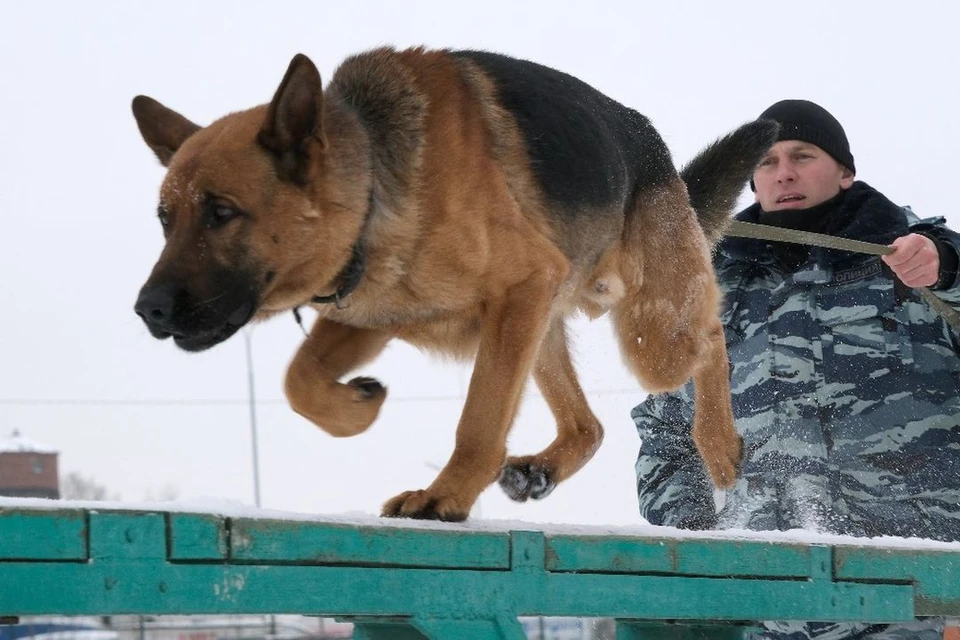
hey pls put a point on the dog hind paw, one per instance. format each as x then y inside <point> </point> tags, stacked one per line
<point>521,481</point>
<point>724,470</point>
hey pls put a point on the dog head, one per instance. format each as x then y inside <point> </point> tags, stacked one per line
<point>258,211</point>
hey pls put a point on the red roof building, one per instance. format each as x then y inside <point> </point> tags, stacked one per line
<point>28,469</point>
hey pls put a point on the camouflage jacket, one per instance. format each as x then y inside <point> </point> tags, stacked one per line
<point>846,390</point>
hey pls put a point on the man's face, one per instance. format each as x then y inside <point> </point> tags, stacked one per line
<point>798,175</point>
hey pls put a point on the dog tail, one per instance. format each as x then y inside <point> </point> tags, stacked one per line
<point>715,177</point>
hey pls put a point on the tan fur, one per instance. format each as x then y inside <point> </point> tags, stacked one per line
<point>463,257</point>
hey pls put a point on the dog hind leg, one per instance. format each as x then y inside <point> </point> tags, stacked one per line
<point>717,440</point>
<point>669,328</point>
<point>579,433</point>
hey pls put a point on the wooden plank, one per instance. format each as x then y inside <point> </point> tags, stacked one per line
<point>197,536</point>
<point>139,586</point>
<point>329,544</point>
<point>43,535</point>
<point>935,574</point>
<point>119,535</point>
<point>684,557</point>
<point>722,599</point>
<point>156,563</point>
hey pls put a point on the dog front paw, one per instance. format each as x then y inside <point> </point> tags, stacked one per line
<point>424,505</point>
<point>368,388</point>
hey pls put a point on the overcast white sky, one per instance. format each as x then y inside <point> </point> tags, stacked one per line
<point>78,370</point>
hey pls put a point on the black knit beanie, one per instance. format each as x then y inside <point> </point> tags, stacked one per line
<point>808,122</point>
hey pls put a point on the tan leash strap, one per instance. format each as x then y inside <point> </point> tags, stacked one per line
<point>755,231</point>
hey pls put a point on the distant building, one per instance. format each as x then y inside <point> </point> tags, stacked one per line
<point>28,469</point>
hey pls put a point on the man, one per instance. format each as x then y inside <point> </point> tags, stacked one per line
<point>846,385</point>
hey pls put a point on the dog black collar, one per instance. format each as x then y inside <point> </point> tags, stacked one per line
<point>349,279</point>
<point>350,275</point>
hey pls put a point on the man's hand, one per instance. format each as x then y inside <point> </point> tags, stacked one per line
<point>915,260</point>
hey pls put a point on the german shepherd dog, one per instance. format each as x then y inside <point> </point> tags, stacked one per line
<point>467,203</point>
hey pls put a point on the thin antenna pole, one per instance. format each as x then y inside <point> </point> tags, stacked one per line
<point>253,417</point>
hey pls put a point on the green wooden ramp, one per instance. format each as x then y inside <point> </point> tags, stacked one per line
<point>397,582</point>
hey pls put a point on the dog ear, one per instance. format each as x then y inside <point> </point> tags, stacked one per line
<point>163,129</point>
<point>294,119</point>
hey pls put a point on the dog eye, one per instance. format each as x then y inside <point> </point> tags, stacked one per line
<point>220,214</point>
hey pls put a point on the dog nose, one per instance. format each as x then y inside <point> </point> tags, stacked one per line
<point>155,304</point>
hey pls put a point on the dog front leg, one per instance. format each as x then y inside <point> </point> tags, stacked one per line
<point>510,336</point>
<point>312,385</point>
